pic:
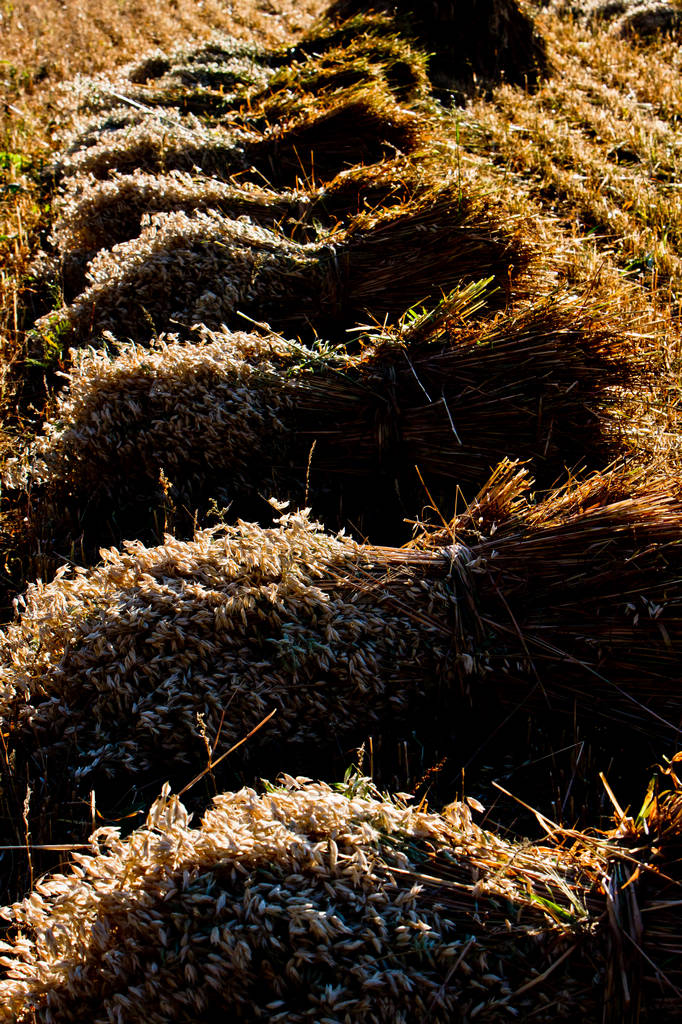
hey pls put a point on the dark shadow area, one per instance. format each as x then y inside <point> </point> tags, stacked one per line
<point>472,43</point>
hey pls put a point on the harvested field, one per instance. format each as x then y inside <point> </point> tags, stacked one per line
<point>463,338</point>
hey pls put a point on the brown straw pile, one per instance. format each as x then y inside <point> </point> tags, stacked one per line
<point>203,267</point>
<point>308,904</point>
<point>472,44</point>
<point>236,416</point>
<point>571,604</point>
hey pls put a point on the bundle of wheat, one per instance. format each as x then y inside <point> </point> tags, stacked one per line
<point>124,670</point>
<point>308,903</point>
<point>206,268</point>
<point>326,63</point>
<point>184,269</point>
<point>217,61</point>
<point>471,42</point>
<point>236,416</point>
<point>94,214</point>
<point>362,124</point>
<point>571,603</point>
<point>209,79</point>
<point>129,138</point>
<point>179,424</point>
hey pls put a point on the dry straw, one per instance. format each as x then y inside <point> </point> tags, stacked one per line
<point>571,604</point>
<point>331,59</point>
<point>433,405</point>
<point>471,45</point>
<point>362,124</point>
<point>203,267</point>
<point>308,904</point>
<point>643,898</point>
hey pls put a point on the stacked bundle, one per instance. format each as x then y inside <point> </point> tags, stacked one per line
<point>315,903</point>
<point>341,142</point>
<point>206,268</point>
<point>99,214</point>
<point>236,416</point>
<point>480,42</point>
<point>574,602</point>
<point>126,668</point>
<point>307,904</point>
<point>208,78</point>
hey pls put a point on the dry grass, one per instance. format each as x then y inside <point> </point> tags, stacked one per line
<point>598,146</point>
